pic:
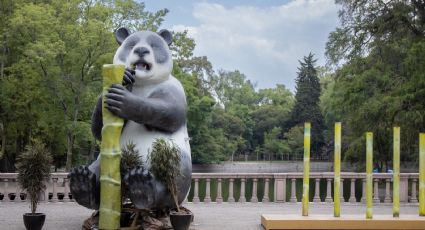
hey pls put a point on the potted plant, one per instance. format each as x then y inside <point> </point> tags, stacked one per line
<point>33,170</point>
<point>165,165</point>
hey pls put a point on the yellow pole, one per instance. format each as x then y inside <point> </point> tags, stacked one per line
<point>337,170</point>
<point>422,174</point>
<point>306,184</point>
<point>110,156</point>
<point>369,179</point>
<point>396,172</point>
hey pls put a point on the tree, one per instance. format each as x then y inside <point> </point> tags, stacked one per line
<point>382,82</point>
<point>51,69</point>
<point>273,110</point>
<point>307,100</point>
<point>273,144</point>
<point>293,142</point>
<point>366,24</point>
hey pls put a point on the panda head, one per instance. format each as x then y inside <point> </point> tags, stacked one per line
<point>146,52</point>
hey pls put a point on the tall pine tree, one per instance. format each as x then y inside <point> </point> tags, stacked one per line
<point>307,99</point>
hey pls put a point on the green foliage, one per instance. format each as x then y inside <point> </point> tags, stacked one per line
<point>293,142</point>
<point>130,158</point>
<point>51,53</point>
<point>165,164</point>
<point>382,83</point>
<point>273,144</point>
<point>365,25</point>
<point>33,170</point>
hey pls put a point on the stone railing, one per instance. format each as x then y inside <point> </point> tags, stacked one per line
<point>248,187</point>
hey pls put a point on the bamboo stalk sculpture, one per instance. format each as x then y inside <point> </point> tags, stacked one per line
<point>306,182</point>
<point>396,172</point>
<point>369,179</point>
<point>337,170</point>
<point>110,156</point>
<point>422,174</point>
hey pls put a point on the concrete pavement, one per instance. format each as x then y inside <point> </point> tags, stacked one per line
<point>225,216</point>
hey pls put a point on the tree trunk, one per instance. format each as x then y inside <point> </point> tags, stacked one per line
<point>69,145</point>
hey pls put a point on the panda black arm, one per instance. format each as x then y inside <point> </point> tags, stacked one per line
<point>96,120</point>
<point>164,109</point>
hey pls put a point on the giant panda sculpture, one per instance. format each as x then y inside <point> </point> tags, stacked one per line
<point>155,107</point>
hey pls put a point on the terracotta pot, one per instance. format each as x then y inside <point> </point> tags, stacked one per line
<point>34,221</point>
<point>181,220</point>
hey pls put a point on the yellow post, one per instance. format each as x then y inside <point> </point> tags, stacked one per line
<point>369,179</point>
<point>337,170</point>
<point>396,172</point>
<point>110,156</point>
<point>306,184</point>
<point>422,174</point>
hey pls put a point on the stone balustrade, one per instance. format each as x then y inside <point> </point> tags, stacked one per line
<point>248,187</point>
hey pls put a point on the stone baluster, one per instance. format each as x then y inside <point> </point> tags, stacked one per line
<point>231,199</point>
<point>66,190</point>
<point>328,190</point>
<point>352,191</point>
<point>46,192</point>
<point>254,198</point>
<point>266,191</point>
<point>293,198</point>
<point>219,198</point>
<point>387,198</point>
<point>6,190</point>
<point>363,199</point>
<point>375,191</point>
<point>413,198</point>
<point>242,198</point>
<point>341,191</point>
<point>18,192</point>
<point>316,197</point>
<point>55,192</point>
<point>207,198</point>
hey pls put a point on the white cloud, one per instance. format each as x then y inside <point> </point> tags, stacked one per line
<point>263,43</point>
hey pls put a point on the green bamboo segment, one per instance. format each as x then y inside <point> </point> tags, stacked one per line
<point>337,170</point>
<point>422,174</point>
<point>110,156</point>
<point>369,179</point>
<point>306,179</point>
<point>396,172</point>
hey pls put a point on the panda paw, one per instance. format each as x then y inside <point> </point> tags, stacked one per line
<point>128,78</point>
<point>140,186</point>
<point>84,187</point>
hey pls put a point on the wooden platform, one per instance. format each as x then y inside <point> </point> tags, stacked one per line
<point>276,222</point>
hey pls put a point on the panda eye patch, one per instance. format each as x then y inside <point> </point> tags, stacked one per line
<point>131,42</point>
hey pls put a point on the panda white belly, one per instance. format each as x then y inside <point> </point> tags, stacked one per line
<point>143,138</point>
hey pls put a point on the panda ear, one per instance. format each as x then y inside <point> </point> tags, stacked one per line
<point>167,36</point>
<point>121,34</point>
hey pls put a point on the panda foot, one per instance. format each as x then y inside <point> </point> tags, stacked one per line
<point>84,188</point>
<point>140,187</point>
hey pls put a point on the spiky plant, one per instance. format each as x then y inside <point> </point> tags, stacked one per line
<point>130,158</point>
<point>165,165</point>
<point>33,170</point>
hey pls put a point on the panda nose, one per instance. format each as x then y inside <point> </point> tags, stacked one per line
<point>141,51</point>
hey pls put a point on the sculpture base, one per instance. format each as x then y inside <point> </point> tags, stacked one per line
<point>276,222</point>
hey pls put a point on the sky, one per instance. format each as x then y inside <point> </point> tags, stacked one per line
<point>263,39</point>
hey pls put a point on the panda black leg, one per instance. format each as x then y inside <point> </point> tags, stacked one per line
<point>140,186</point>
<point>84,187</point>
